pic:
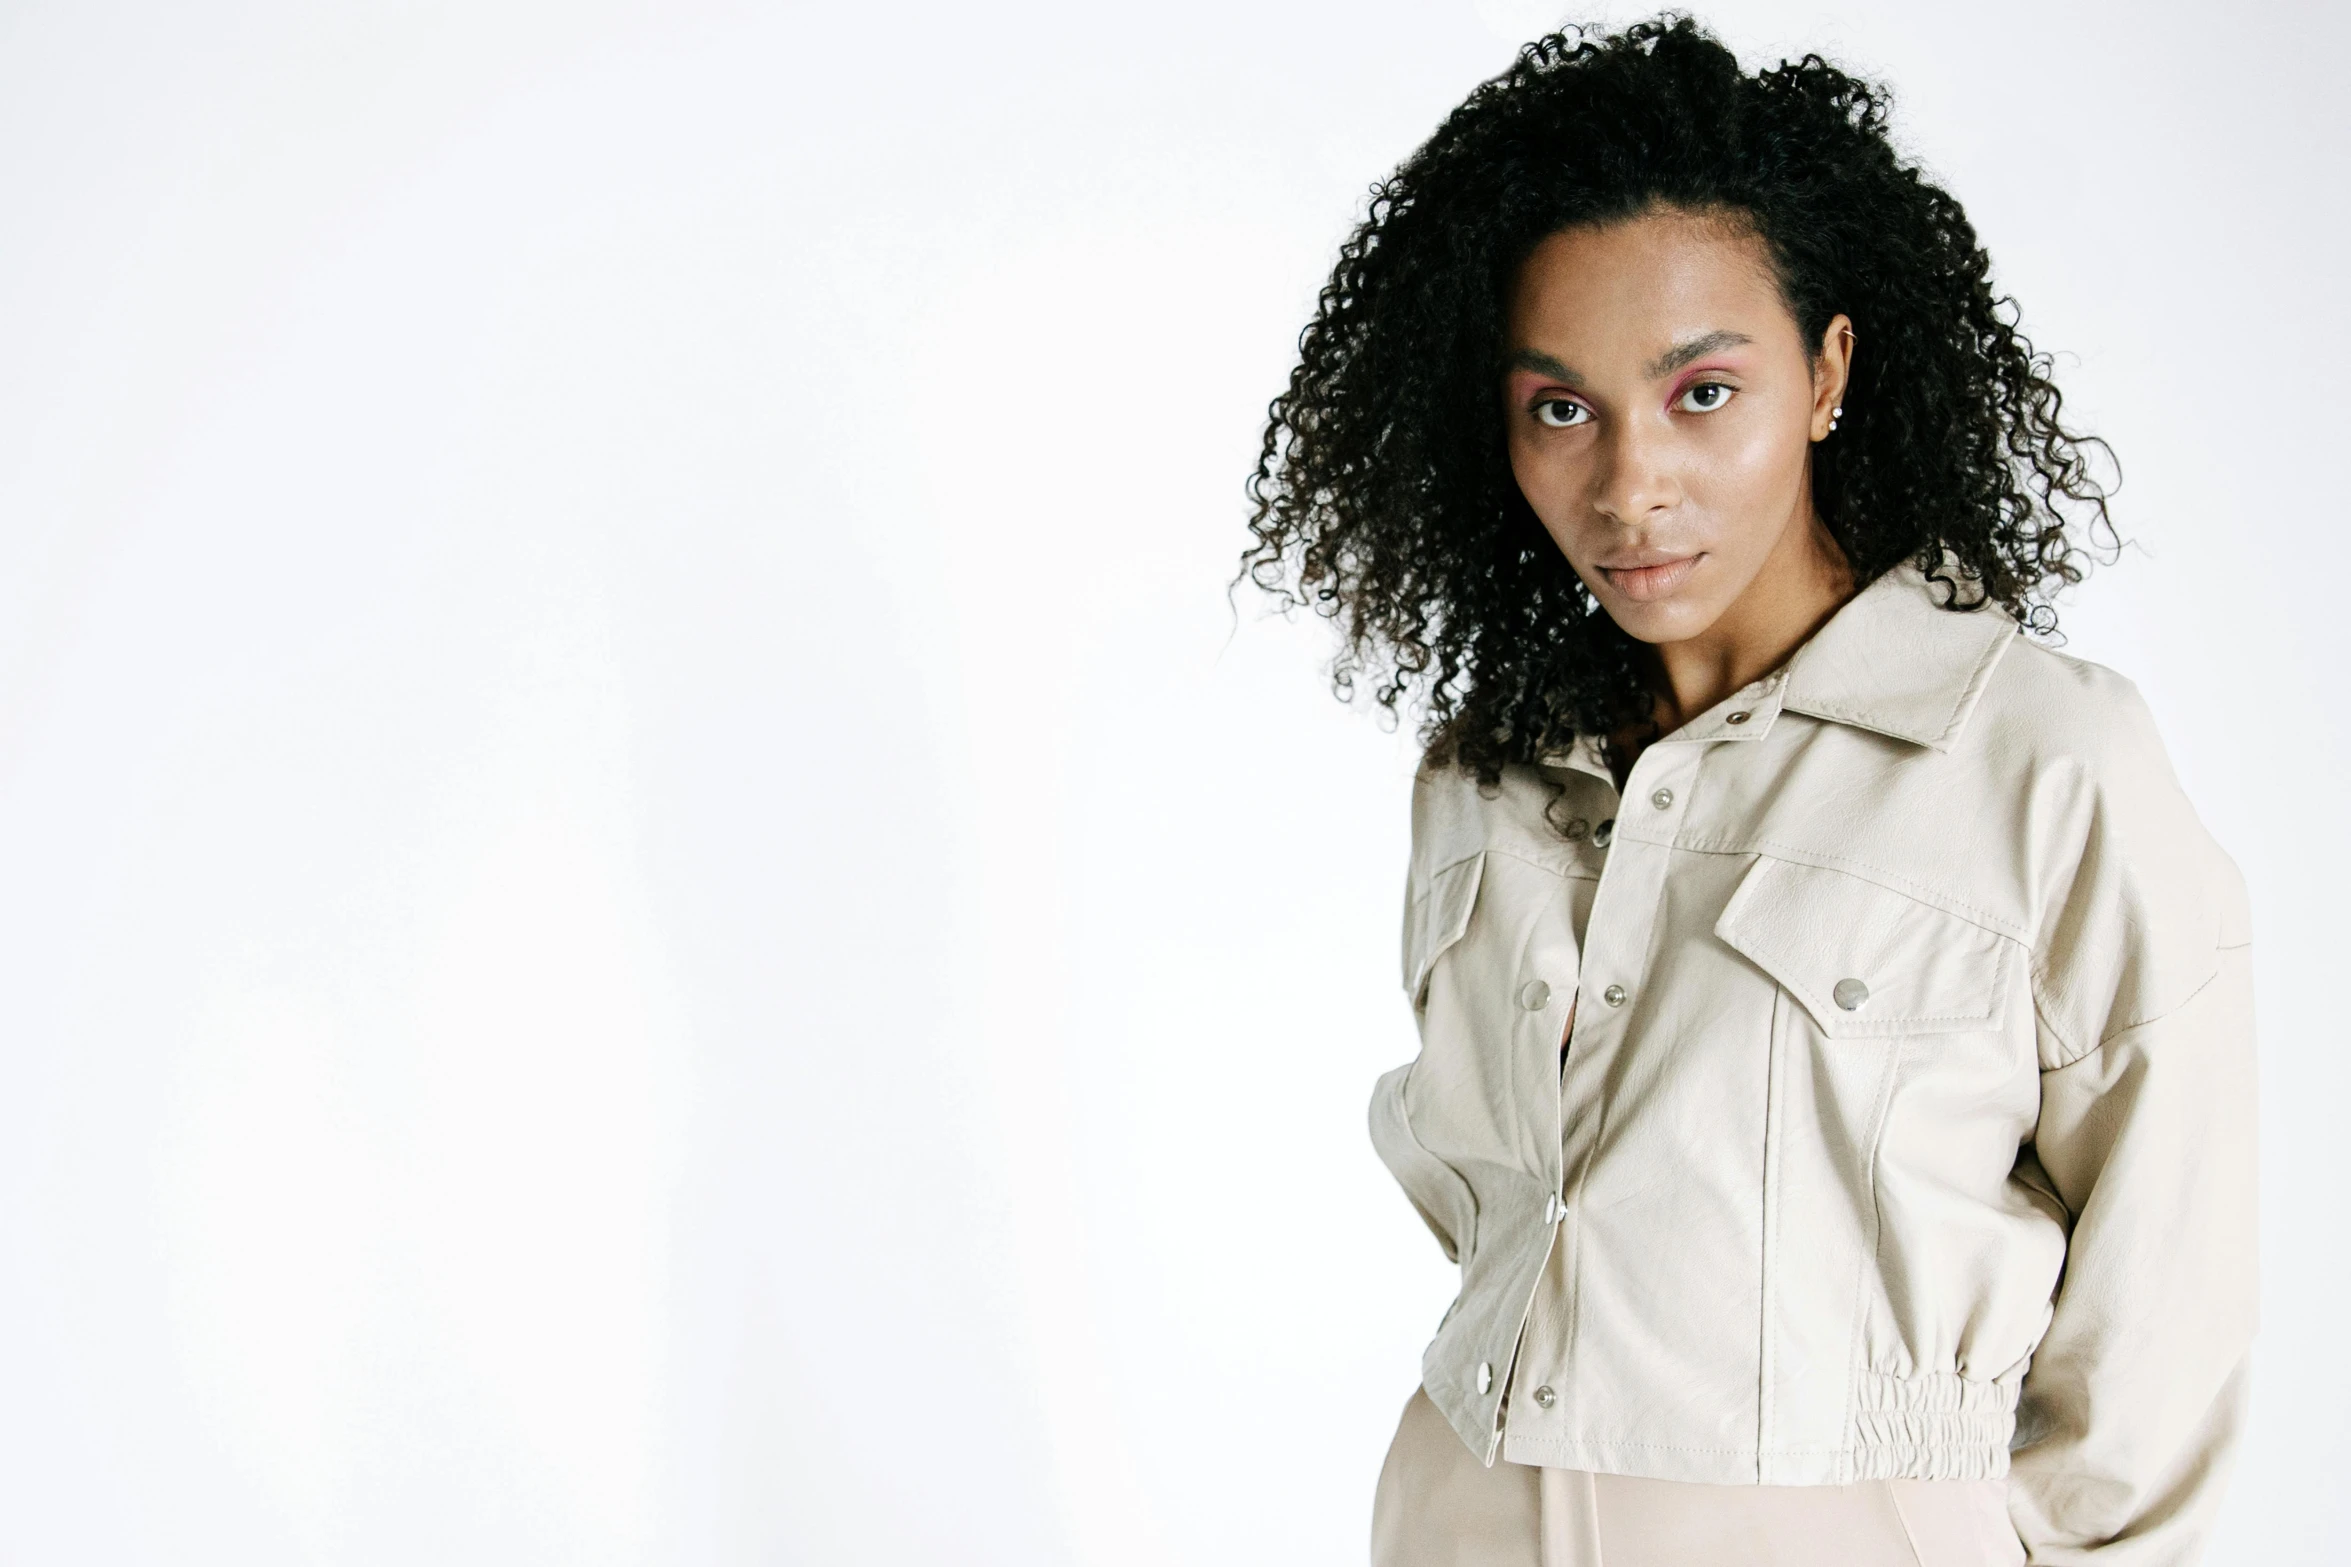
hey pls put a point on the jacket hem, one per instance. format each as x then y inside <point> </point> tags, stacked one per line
<point>1930,1426</point>
<point>1731,1466</point>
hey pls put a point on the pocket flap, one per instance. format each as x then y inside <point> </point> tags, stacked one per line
<point>1434,919</point>
<point>1864,960</point>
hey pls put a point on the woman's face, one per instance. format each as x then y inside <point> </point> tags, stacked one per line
<point>1662,409</point>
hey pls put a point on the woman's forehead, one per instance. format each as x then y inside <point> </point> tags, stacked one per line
<point>1641,291</point>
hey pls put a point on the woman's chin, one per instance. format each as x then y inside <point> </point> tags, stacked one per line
<point>1671,617</point>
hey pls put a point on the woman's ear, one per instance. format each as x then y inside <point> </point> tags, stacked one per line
<point>1832,369</point>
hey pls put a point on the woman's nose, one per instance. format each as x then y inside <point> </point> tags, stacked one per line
<point>1635,476</point>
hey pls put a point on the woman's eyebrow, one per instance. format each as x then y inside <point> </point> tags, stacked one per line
<point>1543,364</point>
<point>1696,348</point>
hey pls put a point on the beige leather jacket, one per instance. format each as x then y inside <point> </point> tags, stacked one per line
<point>1906,1126</point>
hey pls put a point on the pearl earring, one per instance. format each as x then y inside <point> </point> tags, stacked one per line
<point>1835,414</point>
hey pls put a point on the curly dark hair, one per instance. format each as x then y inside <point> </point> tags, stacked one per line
<point>1383,497</point>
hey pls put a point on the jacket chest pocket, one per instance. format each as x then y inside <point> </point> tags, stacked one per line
<point>1864,961</point>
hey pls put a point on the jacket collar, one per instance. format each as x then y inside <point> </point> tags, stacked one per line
<point>1895,662</point>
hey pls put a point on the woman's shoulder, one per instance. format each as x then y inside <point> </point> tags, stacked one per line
<point>2071,727</point>
<point>2048,707</point>
<point>2136,855</point>
<point>1457,815</point>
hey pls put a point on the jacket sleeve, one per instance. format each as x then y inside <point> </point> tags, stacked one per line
<point>2135,1398</point>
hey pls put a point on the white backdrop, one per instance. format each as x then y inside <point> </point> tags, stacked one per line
<point>650,911</point>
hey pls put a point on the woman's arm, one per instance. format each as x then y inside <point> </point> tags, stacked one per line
<point>2136,1395</point>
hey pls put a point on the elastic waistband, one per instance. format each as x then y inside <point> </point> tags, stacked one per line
<point>1936,1426</point>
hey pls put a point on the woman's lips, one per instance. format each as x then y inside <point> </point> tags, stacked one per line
<point>1644,583</point>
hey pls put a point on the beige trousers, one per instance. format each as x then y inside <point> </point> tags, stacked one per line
<point>1437,1506</point>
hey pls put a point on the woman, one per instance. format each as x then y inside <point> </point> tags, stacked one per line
<point>1836,1079</point>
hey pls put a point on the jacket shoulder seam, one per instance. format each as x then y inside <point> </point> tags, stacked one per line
<point>2132,1027</point>
<point>1420,879</point>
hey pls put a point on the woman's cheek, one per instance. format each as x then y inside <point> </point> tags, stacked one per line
<point>1750,468</point>
<point>1548,482</point>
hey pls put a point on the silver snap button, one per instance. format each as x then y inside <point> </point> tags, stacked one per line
<point>1662,799</point>
<point>1850,994</point>
<point>1534,995</point>
<point>1578,830</point>
<point>1737,718</point>
<point>1614,996</point>
<point>1602,833</point>
<point>1545,1397</point>
<point>1485,1377</point>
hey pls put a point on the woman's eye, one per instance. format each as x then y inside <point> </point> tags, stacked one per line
<point>1559,413</point>
<point>1704,398</point>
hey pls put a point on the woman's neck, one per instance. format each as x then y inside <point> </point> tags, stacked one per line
<point>1802,582</point>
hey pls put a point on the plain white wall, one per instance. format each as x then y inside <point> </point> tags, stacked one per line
<point>650,911</point>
